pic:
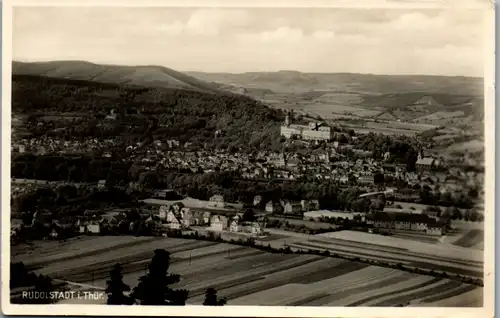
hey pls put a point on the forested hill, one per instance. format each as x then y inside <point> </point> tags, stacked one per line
<point>146,75</point>
<point>78,109</point>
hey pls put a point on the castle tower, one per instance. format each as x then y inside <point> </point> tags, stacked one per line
<point>287,120</point>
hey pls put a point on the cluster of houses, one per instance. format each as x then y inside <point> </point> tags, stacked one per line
<point>289,207</point>
<point>177,216</point>
<point>325,164</point>
<point>428,223</point>
<point>46,145</point>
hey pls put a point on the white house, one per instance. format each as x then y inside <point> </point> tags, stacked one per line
<point>163,211</point>
<point>435,229</point>
<point>218,223</point>
<point>344,179</point>
<point>216,201</point>
<point>314,205</point>
<point>402,225</point>
<point>173,222</point>
<point>366,178</point>
<point>256,200</point>
<point>93,228</point>
<point>171,217</point>
<point>185,213</point>
<point>54,234</point>
<point>256,228</point>
<point>206,217</point>
<point>418,222</point>
<point>425,163</point>
<point>101,184</point>
<point>305,205</point>
<point>274,207</point>
<point>234,226</point>
<point>293,208</point>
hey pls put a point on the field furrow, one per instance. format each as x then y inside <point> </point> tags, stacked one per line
<point>248,276</point>
<point>388,278</point>
<point>450,293</point>
<point>223,281</point>
<point>379,293</point>
<point>471,238</point>
<point>473,298</point>
<point>403,299</point>
<point>280,276</point>
<point>293,292</point>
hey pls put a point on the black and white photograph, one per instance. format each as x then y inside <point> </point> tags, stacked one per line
<point>217,156</point>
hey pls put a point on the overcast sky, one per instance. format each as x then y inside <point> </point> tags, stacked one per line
<point>379,41</point>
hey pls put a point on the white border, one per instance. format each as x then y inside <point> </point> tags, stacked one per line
<point>255,311</point>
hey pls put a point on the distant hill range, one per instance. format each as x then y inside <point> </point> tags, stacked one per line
<point>149,76</point>
<point>293,81</point>
<point>393,97</point>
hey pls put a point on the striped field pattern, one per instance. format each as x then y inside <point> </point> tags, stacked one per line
<point>247,276</point>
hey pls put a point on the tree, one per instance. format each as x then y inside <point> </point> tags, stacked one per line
<point>456,214</point>
<point>116,288</point>
<point>154,287</point>
<point>43,285</point>
<point>21,277</point>
<point>474,216</point>
<point>148,179</point>
<point>447,213</point>
<point>211,298</point>
<point>248,215</point>
<point>473,193</point>
<point>378,204</point>
<point>378,178</point>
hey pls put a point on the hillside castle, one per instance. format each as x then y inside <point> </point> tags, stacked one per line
<point>313,131</point>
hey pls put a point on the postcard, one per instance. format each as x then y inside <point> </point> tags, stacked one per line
<point>248,158</point>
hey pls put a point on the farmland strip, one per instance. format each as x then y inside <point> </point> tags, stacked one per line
<point>284,274</point>
<point>229,284</point>
<point>101,269</point>
<point>272,237</point>
<point>341,269</point>
<point>352,254</point>
<point>246,279</point>
<point>227,269</point>
<point>418,294</point>
<point>349,291</point>
<point>432,266</point>
<point>451,293</point>
<point>296,292</point>
<point>407,253</point>
<point>472,298</point>
<point>134,264</point>
<point>248,254</point>
<point>427,240</point>
<point>271,284</point>
<point>374,247</point>
<point>470,239</point>
<point>90,253</point>
<point>367,299</point>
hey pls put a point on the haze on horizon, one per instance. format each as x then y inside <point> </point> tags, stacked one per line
<point>327,40</point>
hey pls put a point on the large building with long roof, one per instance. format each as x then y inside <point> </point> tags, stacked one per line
<point>313,131</point>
